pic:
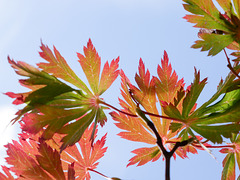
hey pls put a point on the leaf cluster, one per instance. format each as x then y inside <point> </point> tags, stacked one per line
<point>61,112</point>
<point>59,101</point>
<point>33,158</point>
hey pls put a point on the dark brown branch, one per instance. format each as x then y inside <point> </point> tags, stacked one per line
<point>159,142</point>
<point>151,125</point>
<point>159,139</point>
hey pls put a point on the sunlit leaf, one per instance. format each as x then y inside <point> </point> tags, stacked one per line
<point>214,43</point>
<point>109,74</point>
<point>91,64</point>
<point>144,155</point>
<point>7,175</point>
<point>170,92</point>
<point>88,155</point>
<point>49,160</point>
<point>75,130</point>
<point>228,172</point>
<point>206,15</point>
<point>54,105</point>
<point>192,95</point>
<point>23,164</point>
<point>133,129</point>
<point>217,132</point>
<point>58,66</point>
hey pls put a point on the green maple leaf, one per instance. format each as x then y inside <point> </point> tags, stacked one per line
<point>220,119</point>
<point>206,15</point>
<point>60,107</point>
<point>210,121</point>
<point>214,43</point>
<point>232,157</point>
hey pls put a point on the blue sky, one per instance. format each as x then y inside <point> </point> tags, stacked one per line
<point>127,28</point>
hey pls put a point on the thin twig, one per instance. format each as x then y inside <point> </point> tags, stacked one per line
<point>89,169</point>
<point>164,117</point>
<point>145,112</point>
<point>128,114</point>
<point>230,65</point>
<point>211,146</point>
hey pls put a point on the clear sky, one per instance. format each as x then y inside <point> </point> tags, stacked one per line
<point>127,28</point>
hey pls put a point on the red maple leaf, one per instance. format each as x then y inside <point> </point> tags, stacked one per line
<point>88,155</point>
<point>168,89</point>
<point>33,158</point>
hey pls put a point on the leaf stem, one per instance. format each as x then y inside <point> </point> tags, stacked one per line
<point>211,146</point>
<point>230,65</point>
<point>89,169</point>
<point>128,114</point>
<point>145,112</point>
<point>164,117</point>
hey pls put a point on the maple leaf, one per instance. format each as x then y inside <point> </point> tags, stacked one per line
<point>233,156</point>
<point>19,98</point>
<point>58,66</point>
<point>134,129</point>
<point>210,121</point>
<point>220,119</point>
<point>49,160</point>
<point>192,95</point>
<point>167,83</point>
<point>146,92</point>
<point>33,158</point>
<point>75,130</point>
<point>213,42</point>
<point>7,175</point>
<point>52,104</point>
<point>144,155</point>
<point>128,105</point>
<point>89,155</point>
<point>23,164</point>
<point>48,86</point>
<point>167,86</point>
<point>91,64</point>
<point>229,167</point>
<point>206,15</point>
<point>168,89</point>
<point>109,74</point>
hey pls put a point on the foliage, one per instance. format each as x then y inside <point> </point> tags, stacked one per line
<point>33,158</point>
<point>61,112</point>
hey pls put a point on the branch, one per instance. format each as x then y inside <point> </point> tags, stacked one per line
<point>150,124</point>
<point>159,142</point>
<point>180,144</point>
<point>142,115</point>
